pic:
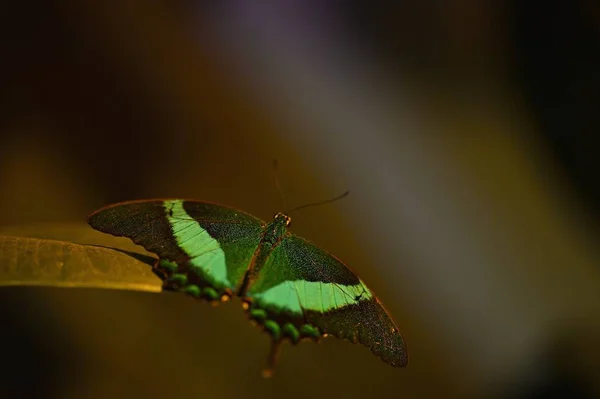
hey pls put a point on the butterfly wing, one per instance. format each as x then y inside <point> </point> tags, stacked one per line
<point>204,248</point>
<point>303,291</point>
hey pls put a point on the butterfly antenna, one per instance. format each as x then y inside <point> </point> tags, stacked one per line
<point>278,185</point>
<point>329,201</point>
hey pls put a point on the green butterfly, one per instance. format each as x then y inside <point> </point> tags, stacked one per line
<point>289,286</point>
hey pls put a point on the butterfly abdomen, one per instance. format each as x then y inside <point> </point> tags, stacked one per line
<point>271,237</point>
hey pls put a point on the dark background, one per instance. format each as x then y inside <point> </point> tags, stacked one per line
<point>107,102</point>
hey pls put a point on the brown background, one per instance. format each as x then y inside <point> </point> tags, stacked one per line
<point>103,102</point>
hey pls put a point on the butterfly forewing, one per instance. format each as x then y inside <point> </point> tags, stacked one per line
<point>303,291</point>
<point>201,245</point>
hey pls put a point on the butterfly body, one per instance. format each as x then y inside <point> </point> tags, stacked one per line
<point>272,236</point>
<point>289,286</point>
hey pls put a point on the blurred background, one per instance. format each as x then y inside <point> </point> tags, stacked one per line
<point>465,131</point>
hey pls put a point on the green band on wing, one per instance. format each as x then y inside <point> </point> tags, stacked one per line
<point>297,296</point>
<point>204,251</point>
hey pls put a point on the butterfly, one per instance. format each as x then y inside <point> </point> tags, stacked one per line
<point>289,286</point>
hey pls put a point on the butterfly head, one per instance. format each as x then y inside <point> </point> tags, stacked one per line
<point>282,218</point>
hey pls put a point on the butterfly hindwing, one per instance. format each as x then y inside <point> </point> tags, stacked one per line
<point>303,291</point>
<point>204,248</point>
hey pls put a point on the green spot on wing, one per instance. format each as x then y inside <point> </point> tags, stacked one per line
<point>292,332</point>
<point>178,278</point>
<point>192,290</point>
<point>309,331</point>
<point>272,327</point>
<point>210,293</point>
<point>168,265</point>
<point>258,314</point>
